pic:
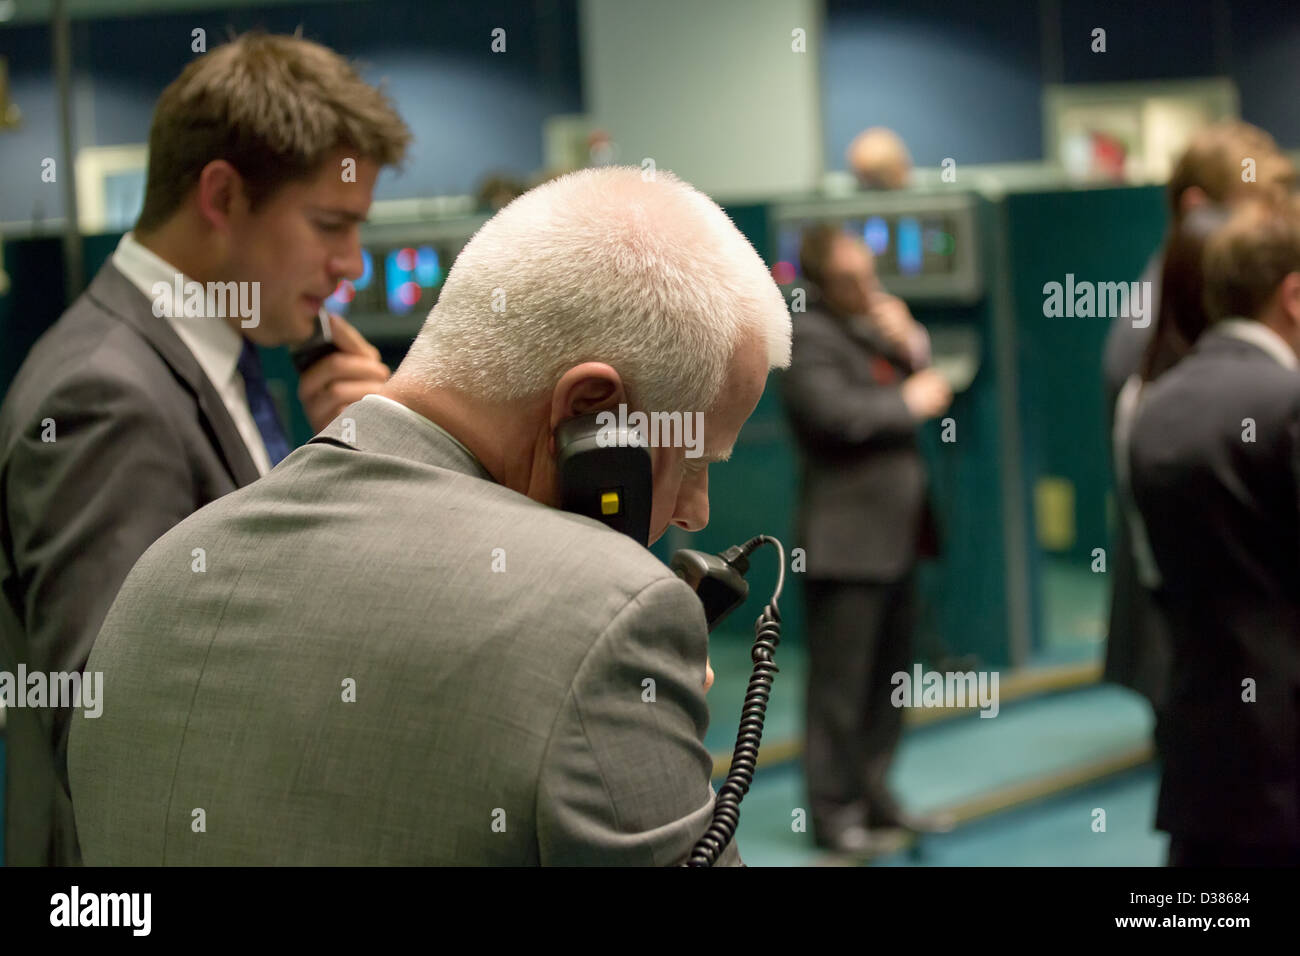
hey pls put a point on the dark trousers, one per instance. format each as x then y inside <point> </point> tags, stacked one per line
<point>1185,852</point>
<point>859,636</point>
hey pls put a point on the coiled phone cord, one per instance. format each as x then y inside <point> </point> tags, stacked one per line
<point>767,635</point>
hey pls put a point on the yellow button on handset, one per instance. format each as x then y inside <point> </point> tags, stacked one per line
<point>609,503</point>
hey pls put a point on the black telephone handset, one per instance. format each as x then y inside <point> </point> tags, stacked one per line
<point>321,344</point>
<point>605,474</point>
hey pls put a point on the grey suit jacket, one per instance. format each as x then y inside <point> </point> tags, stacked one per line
<point>141,440</point>
<point>863,506</point>
<point>388,658</point>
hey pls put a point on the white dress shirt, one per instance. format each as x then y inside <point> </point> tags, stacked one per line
<point>1256,333</point>
<point>213,341</point>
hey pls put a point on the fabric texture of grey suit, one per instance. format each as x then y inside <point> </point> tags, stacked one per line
<point>391,659</point>
<point>1223,515</point>
<point>141,439</point>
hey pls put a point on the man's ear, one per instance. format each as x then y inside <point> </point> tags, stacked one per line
<point>1289,299</point>
<point>584,390</point>
<point>1190,198</point>
<point>220,194</point>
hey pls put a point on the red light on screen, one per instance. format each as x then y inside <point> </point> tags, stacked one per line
<point>409,293</point>
<point>406,259</point>
<point>783,273</point>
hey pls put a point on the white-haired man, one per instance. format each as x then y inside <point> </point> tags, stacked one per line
<point>486,679</point>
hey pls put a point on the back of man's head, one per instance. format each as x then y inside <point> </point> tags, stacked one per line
<point>1247,260</point>
<point>879,159</point>
<point>274,107</point>
<point>1228,161</point>
<point>647,275</point>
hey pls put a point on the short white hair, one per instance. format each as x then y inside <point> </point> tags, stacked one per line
<point>641,272</point>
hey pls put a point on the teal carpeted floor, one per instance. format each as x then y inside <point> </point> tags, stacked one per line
<point>956,761</point>
<point>1054,832</point>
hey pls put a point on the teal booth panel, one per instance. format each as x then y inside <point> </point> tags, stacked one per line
<point>1095,235</point>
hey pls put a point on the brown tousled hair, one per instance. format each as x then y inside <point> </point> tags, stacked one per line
<point>1248,258</point>
<point>274,107</point>
<point>1182,316</point>
<point>1213,163</point>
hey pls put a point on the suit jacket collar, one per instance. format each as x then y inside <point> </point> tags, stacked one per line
<point>1258,335</point>
<point>381,425</point>
<point>115,294</point>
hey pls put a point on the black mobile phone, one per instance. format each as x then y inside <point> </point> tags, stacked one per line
<point>321,344</point>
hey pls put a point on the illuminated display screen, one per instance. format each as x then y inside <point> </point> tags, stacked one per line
<point>357,295</point>
<point>412,276</point>
<point>398,281</point>
<point>904,245</point>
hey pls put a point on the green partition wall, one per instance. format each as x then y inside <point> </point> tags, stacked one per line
<point>1096,235</point>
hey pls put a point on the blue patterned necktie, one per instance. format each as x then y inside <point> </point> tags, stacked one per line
<point>261,404</point>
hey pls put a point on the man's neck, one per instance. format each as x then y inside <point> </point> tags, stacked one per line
<point>174,245</point>
<point>488,432</point>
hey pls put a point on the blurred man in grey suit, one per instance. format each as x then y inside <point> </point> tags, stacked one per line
<point>394,648</point>
<point>139,407</point>
<point>858,386</point>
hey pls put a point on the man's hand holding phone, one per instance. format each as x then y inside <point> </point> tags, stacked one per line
<point>342,377</point>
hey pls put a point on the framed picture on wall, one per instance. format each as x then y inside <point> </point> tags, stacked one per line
<point>1129,132</point>
<point>110,186</point>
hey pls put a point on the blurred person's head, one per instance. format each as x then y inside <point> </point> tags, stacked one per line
<point>1182,316</point>
<point>497,191</point>
<point>841,267</point>
<point>879,159</point>
<point>1211,169</point>
<point>1252,267</point>
<point>263,156</point>
<point>594,290</point>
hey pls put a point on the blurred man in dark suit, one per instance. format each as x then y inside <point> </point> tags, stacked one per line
<point>857,387</point>
<point>142,405</point>
<point>1215,459</point>
<point>1222,165</point>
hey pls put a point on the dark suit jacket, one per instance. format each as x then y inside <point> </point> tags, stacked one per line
<point>141,440</point>
<point>863,490</point>
<point>1223,515</point>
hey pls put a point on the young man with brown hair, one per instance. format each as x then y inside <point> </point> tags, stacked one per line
<point>133,411</point>
<point>1215,453</point>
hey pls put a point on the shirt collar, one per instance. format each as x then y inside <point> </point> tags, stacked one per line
<point>1260,335</point>
<point>215,344</point>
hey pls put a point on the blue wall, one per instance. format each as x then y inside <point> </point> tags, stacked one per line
<point>965,81</point>
<point>472,111</point>
<point>951,80</point>
<point>954,81</point>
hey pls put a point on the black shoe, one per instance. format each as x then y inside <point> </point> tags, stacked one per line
<point>864,843</point>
